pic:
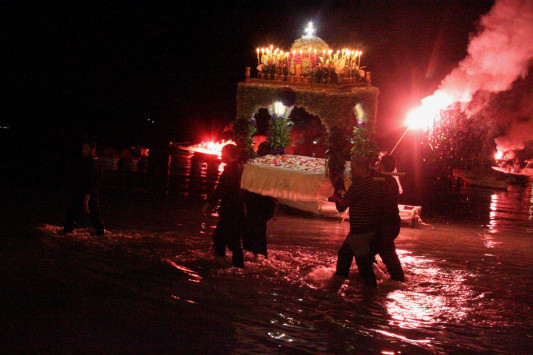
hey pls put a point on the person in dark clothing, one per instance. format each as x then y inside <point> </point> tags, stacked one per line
<point>228,232</point>
<point>88,176</point>
<point>362,199</point>
<point>389,220</point>
<point>259,210</point>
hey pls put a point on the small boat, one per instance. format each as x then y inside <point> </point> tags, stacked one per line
<point>483,180</point>
<point>516,174</point>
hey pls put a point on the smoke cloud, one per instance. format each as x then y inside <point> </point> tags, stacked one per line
<point>499,54</point>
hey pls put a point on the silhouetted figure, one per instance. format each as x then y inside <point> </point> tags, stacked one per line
<point>87,178</point>
<point>389,220</point>
<point>363,200</point>
<point>228,232</point>
<point>259,210</point>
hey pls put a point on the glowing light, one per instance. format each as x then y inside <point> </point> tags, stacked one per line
<point>212,148</point>
<point>360,113</point>
<point>310,30</point>
<point>426,115</point>
<point>420,118</point>
<point>279,108</point>
<point>498,155</point>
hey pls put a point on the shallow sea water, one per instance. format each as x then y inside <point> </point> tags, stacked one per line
<point>468,288</point>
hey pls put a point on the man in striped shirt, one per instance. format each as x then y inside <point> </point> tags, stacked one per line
<point>363,200</point>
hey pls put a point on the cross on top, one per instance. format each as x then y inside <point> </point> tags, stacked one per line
<point>310,30</point>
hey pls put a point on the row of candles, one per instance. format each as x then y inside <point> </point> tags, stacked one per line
<point>277,57</point>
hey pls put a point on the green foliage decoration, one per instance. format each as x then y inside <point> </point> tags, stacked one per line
<point>364,144</point>
<point>338,152</point>
<point>243,130</point>
<point>279,133</point>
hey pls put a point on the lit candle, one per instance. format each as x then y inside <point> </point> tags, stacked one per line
<point>258,60</point>
<point>294,58</point>
<point>314,58</point>
<point>359,61</point>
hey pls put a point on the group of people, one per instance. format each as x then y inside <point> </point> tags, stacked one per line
<point>243,214</point>
<point>375,221</point>
<point>372,200</point>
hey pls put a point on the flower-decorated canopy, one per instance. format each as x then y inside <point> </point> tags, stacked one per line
<point>325,83</point>
<point>334,105</point>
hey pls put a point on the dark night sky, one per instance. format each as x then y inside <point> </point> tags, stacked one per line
<point>105,67</point>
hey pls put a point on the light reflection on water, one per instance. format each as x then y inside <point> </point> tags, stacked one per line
<point>511,210</point>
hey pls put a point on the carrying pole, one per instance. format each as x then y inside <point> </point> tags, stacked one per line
<point>403,135</point>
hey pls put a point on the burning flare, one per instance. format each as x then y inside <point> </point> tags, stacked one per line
<point>499,54</point>
<point>425,116</point>
<point>212,148</point>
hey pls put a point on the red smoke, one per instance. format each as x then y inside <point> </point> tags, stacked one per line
<point>499,54</point>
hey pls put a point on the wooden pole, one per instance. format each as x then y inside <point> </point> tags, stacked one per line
<point>403,135</point>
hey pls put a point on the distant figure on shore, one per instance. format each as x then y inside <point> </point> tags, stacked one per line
<point>259,210</point>
<point>363,200</point>
<point>228,232</point>
<point>389,220</point>
<point>125,163</point>
<point>87,178</point>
